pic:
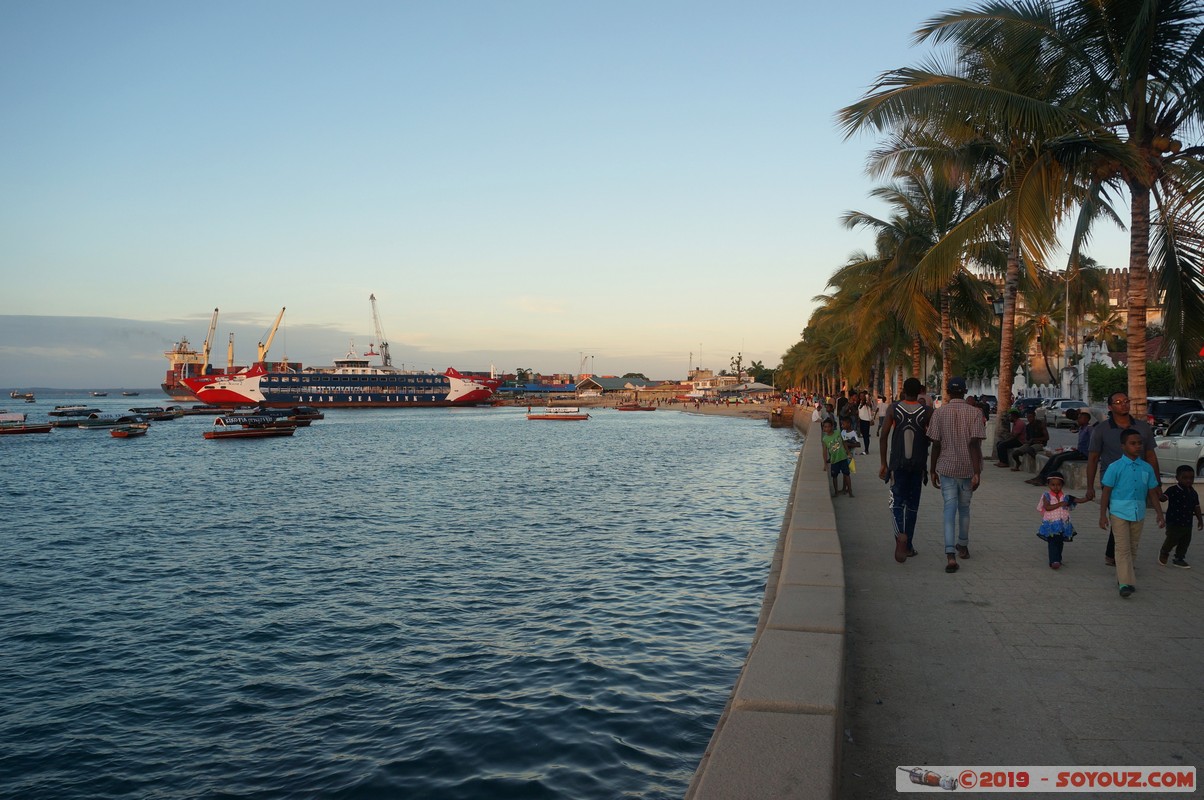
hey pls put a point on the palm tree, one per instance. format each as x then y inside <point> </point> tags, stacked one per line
<point>1133,73</point>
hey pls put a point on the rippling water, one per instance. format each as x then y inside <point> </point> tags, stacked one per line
<point>423,603</point>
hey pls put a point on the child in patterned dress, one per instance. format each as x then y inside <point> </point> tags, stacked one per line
<point>1056,528</point>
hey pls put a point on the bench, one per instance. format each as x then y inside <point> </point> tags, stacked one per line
<point>1075,472</point>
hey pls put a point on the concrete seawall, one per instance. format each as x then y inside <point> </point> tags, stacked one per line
<point>780,733</point>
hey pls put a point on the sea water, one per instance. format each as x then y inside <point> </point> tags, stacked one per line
<point>439,603</point>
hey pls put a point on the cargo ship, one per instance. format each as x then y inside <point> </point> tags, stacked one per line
<point>353,382</point>
<point>188,363</point>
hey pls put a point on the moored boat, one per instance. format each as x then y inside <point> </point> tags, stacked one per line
<point>129,394</point>
<point>557,412</point>
<point>99,394</point>
<point>99,421</point>
<point>240,428</point>
<point>633,407</point>
<point>13,423</point>
<point>129,431</point>
<point>159,413</point>
<point>73,410</point>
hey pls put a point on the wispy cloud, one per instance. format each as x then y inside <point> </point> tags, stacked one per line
<point>530,304</point>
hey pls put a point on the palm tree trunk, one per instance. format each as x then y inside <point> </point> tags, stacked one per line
<point>916,367</point>
<point>946,344</point>
<point>1007,326</point>
<point>1139,280</point>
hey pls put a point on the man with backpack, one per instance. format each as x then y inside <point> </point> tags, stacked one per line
<point>957,431</point>
<point>905,437</point>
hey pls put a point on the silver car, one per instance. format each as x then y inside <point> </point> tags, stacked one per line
<point>1183,443</point>
<point>1054,413</point>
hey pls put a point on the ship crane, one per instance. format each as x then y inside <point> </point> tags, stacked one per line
<point>208,344</point>
<point>265,346</point>
<point>385,359</point>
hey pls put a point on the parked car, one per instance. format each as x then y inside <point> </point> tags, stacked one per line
<point>1183,443</point>
<point>1055,412</point>
<point>1162,411</point>
<point>1025,403</point>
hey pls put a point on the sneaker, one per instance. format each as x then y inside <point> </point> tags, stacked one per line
<point>900,547</point>
<point>963,551</point>
<point>1181,563</point>
<point>1162,557</point>
<point>1056,565</point>
<point>1125,590</point>
<point>1111,562</point>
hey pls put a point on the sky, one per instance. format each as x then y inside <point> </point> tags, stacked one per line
<point>621,186</point>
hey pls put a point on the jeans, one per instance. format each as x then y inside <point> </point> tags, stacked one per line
<point>905,501</point>
<point>956,493</point>
<point>1058,460</point>
<point>1055,549</point>
<point>1004,449</point>
<point>865,433</point>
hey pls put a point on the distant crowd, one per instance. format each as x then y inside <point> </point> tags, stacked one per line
<point>922,441</point>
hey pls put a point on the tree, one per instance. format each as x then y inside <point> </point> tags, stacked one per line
<point>639,375</point>
<point>737,364</point>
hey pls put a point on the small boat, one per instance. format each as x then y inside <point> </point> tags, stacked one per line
<point>633,407</point>
<point>159,413</point>
<point>73,410</point>
<point>129,431</point>
<point>129,394</point>
<point>29,398</point>
<point>200,409</point>
<point>98,421</point>
<point>100,394</point>
<point>15,423</point>
<point>248,428</point>
<point>26,396</point>
<point>557,412</point>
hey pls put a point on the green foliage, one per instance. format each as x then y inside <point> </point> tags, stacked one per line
<point>640,375</point>
<point>1103,381</point>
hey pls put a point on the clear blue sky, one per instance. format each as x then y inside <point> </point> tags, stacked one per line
<point>517,182</point>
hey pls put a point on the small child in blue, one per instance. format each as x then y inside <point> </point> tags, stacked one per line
<point>1056,528</point>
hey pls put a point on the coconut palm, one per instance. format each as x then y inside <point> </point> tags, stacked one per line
<point>1135,71</point>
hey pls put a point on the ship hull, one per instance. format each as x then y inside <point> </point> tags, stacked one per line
<point>343,390</point>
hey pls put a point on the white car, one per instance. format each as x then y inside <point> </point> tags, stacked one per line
<point>1054,413</point>
<point>1183,443</point>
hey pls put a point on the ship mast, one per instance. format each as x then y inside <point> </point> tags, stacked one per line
<point>385,359</point>
<point>208,344</point>
<point>230,354</point>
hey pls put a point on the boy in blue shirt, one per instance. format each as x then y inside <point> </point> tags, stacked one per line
<point>1127,484</point>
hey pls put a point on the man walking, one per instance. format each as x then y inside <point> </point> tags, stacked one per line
<point>956,431</point>
<point>904,437</point>
<point>1106,447</point>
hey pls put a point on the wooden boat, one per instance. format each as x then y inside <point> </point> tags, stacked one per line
<point>100,394</point>
<point>129,431</point>
<point>129,394</point>
<point>633,407</point>
<point>557,412</point>
<point>98,421</point>
<point>159,413</point>
<point>248,428</point>
<point>15,423</point>
<point>73,410</point>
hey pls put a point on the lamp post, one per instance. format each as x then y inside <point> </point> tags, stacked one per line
<point>997,306</point>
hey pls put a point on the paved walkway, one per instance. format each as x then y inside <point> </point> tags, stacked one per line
<point>1007,662</point>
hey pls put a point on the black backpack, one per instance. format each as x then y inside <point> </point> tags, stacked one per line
<point>909,438</point>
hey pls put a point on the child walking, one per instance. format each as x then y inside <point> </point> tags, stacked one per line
<point>1127,483</point>
<point>836,458</point>
<point>1055,508</point>
<point>1181,503</point>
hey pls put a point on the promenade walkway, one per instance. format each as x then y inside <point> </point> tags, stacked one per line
<point>1007,662</point>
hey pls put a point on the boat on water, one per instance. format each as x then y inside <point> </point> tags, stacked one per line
<point>99,394</point>
<point>99,421</point>
<point>13,423</point>
<point>240,427</point>
<point>26,396</point>
<point>557,412</point>
<point>158,413</point>
<point>73,410</point>
<point>633,407</point>
<point>129,394</point>
<point>129,431</point>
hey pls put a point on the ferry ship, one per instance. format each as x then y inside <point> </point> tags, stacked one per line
<point>188,363</point>
<point>353,382</point>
